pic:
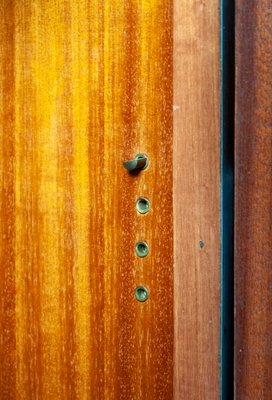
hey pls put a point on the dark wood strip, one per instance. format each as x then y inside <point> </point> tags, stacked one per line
<point>127,185</point>
<point>138,118</point>
<point>7,207</point>
<point>160,147</point>
<point>28,217</point>
<point>253,205</point>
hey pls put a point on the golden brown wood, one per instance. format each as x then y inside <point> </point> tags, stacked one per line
<point>85,85</point>
<point>7,225</point>
<point>196,199</point>
<point>253,207</point>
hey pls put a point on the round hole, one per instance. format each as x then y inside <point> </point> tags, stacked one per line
<point>141,293</point>
<point>143,205</point>
<point>141,249</point>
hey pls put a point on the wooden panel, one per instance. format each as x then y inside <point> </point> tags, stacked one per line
<point>85,85</point>
<point>196,199</point>
<point>253,208</point>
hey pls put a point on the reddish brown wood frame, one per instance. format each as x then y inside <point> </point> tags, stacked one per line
<point>253,205</point>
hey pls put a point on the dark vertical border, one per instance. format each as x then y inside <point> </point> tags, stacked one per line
<point>227,197</point>
<point>253,200</point>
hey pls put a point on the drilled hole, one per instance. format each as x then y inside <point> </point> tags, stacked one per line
<point>143,205</point>
<point>141,249</point>
<point>141,293</point>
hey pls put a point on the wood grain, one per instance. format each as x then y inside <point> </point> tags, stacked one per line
<point>196,200</point>
<point>253,224</point>
<point>85,85</point>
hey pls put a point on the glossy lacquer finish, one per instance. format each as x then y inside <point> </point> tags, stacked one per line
<point>85,86</point>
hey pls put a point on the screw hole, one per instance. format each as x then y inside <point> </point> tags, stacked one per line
<point>141,249</point>
<point>141,293</point>
<point>143,205</point>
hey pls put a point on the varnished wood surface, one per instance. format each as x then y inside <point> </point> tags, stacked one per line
<point>253,225</point>
<point>85,85</point>
<point>196,200</point>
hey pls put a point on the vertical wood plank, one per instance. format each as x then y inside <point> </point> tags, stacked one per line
<point>253,206</point>
<point>196,200</point>
<point>138,98</point>
<point>85,86</point>
<point>7,203</point>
